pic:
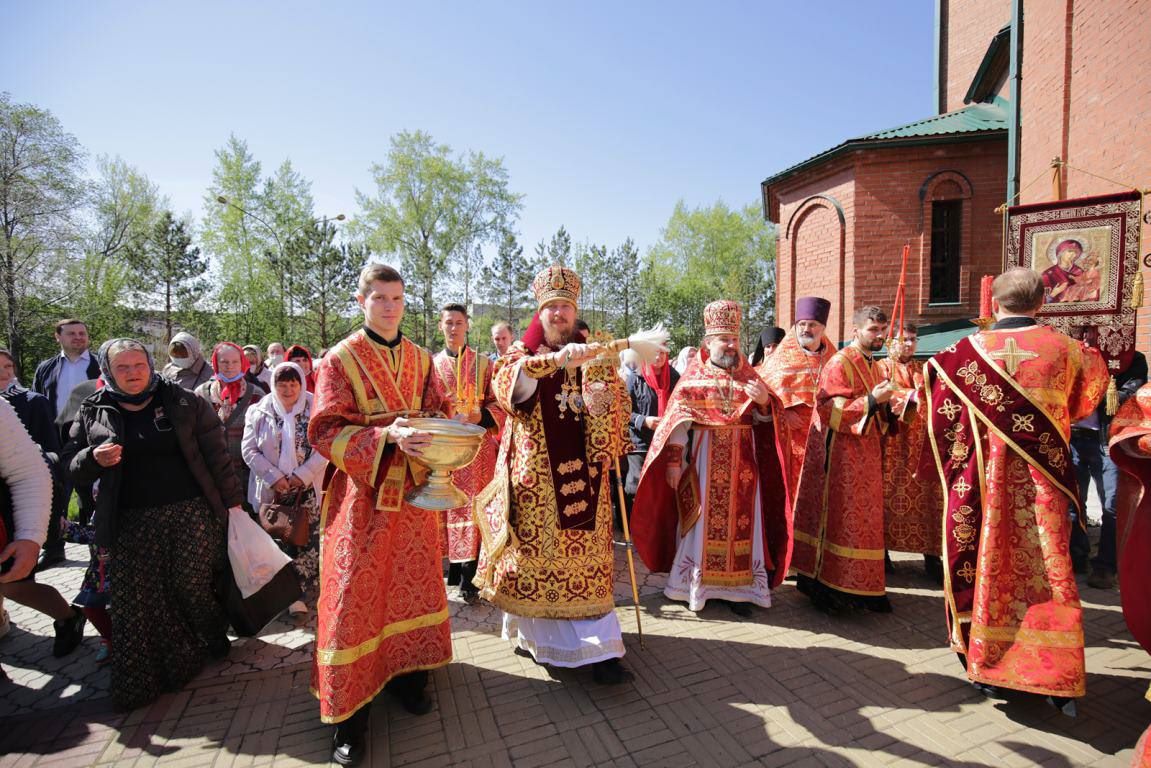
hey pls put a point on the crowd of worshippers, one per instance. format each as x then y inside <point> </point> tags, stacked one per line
<point>735,473</point>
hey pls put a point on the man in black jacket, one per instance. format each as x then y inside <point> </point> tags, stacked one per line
<point>55,379</point>
<point>1089,454</point>
<point>644,388</point>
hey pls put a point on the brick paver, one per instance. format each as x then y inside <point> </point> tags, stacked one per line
<point>789,686</point>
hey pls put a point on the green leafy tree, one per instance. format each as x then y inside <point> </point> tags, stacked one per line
<point>242,250</point>
<point>505,284</point>
<point>430,208</point>
<point>286,204</point>
<point>705,254</point>
<point>42,193</point>
<point>167,270</point>
<point>323,283</point>
<point>623,289</point>
<point>125,206</point>
<point>560,248</point>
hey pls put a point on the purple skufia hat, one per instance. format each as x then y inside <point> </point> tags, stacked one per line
<point>812,308</point>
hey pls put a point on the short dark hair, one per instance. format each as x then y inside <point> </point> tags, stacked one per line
<point>69,321</point>
<point>910,327</point>
<point>868,314</point>
<point>454,307</point>
<point>286,373</point>
<point>377,272</point>
<point>581,325</point>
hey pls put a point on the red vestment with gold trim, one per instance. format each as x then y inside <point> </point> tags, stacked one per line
<point>839,503</point>
<point>912,506</point>
<point>792,375</point>
<point>712,400</point>
<point>1001,404</point>
<point>382,609</point>
<point>466,380</point>
<point>545,519</point>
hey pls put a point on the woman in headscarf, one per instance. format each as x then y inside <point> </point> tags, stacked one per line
<point>188,368</point>
<point>283,464</point>
<point>166,488</point>
<point>231,394</point>
<point>302,356</point>
<point>649,389</point>
<point>258,372</point>
<point>769,339</point>
<point>684,358</point>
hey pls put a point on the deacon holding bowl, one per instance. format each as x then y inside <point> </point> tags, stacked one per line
<point>546,518</point>
<point>382,617</point>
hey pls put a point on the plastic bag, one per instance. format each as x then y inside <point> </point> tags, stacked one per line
<point>254,556</point>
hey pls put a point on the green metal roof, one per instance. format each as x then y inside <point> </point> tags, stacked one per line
<point>973,118</point>
<point>933,338</point>
<point>977,121</point>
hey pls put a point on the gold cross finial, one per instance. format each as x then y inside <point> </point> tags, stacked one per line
<point>1012,355</point>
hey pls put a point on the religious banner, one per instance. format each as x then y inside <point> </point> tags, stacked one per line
<point>1087,253</point>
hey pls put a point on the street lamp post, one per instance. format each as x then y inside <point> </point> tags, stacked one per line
<point>280,262</point>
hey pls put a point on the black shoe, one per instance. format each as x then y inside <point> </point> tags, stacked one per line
<point>990,691</point>
<point>888,566</point>
<point>417,703</point>
<point>1101,578</point>
<point>69,633</point>
<point>50,558</point>
<point>470,596</point>
<point>610,672</point>
<point>220,647</point>
<point>1079,565</point>
<point>933,567</point>
<point>878,604</point>
<point>742,610</point>
<point>348,740</point>
<point>1066,706</point>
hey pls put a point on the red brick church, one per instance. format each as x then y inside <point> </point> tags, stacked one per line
<point>1018,82</point>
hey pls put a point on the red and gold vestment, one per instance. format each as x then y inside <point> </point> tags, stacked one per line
<point>1130,449</point>
<point>710,400</point>
<point>1001,404</point>
<point>545,519</point>
<point>792,375</point>
<point>839,502</point>
<point>912,506</point>
<point>382,609</point>
<point>466,380</point>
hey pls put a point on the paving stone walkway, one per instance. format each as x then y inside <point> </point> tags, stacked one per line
<point>788,686</point>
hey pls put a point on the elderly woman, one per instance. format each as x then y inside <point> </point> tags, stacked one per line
<point>231,395</point>
<point>166,488</point>
<point>283,464</point>
<point>188,368</point>
<point>258,373</point>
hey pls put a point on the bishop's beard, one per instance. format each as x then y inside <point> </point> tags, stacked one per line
<point>556,338</point>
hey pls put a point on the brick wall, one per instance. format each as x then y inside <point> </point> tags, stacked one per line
<point>1086,97</point>
<point>966,28</point>
<point>894,191</point>
<point>879,191</point>
<point>812,240</point>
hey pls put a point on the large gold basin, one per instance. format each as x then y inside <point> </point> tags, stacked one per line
<point>454,445</point>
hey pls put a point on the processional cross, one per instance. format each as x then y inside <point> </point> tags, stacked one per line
<point>1012,355</point>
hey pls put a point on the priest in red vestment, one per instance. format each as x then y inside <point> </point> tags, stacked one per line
<point>838,554</point>
<point>382,616</point>
<point>699,512</point>
<point>1130,449</point>
<point>912,505</point>
<point>466,378</point>
<point>792,372</point>
<point>1001,403</point>
<point>546,518</point>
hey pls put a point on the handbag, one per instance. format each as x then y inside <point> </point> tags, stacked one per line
<point>286,519</point>
<point>260,581</point>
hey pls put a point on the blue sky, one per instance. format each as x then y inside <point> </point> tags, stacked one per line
<point>605,113</point>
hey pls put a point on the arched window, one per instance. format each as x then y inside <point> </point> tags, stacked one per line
<point>946,196</point>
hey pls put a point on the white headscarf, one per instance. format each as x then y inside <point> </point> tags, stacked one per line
<point>287,461</point>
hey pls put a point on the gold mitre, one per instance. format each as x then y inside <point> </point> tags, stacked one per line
<point>556,284</point>
<point>723,316</point>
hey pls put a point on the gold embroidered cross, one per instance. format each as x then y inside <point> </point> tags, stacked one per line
<point>1012,355</point>
<point>949,409</point>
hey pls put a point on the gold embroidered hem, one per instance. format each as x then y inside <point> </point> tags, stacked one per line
<point>336,719</point>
